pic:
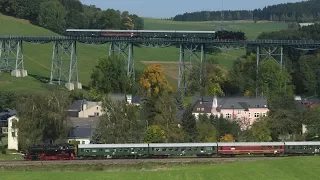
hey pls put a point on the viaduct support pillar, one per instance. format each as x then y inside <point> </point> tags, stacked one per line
<point>11,57</point>
<point>124,51</point>
<point>64,68</point>
<point>188,57</point>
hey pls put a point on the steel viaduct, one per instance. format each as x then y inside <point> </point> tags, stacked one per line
<point>64,68</point>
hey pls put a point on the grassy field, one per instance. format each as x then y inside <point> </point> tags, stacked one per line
<point>37,58</point>
<point>294,168</point>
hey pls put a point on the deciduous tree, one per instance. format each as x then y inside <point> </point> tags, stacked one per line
<point>110,76</point>
<point>274,80</point>
<point>154,81</point>
<point>227,138</point>
<point>189,125</point>
<point>260,131</point>
<point>119,124</point>
<point>154,134</point>
<point>42,118</point>
<point>52,16</point>
<point>207,132</point>
<point>168,119</point>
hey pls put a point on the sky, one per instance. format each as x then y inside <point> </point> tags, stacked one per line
<point>170,8</point>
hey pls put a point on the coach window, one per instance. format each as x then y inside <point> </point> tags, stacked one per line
<point>94,150</point>
<point>87,150</point>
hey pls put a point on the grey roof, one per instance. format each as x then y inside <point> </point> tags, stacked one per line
<point>183,145</point>
<point>203,98</point>
<point>136,99</point>
<point>250,143</point>
<point>112,145</point>
<point>117,97</point>
<point>76,106</point>
<point>241,103</point>
<point>83,122</point>
<point>180,114</point>
<point>301,143</point>
<point>7,113</point>
<point>80,132</point>
<point>82,127</point>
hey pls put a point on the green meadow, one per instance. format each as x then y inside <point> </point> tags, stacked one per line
<point>293,168</point>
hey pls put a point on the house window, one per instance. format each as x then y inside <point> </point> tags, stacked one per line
<point>96,114</point>
<point>13,134</point>
<point>202,109</point>
<point>228,116</point>
<point>249,115</point>
<point>239,111</point>
<point>264,114</point>
<point>83,142</point>
<point>198,109</point>
<point>256,115</point>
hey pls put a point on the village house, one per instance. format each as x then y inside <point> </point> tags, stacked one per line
<point>85,109</point>
<point>245,110</point>
<point>4,116</point>
<point>81,129</point>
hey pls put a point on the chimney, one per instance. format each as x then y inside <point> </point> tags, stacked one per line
<point>129,99</point>
<point>215,102</point>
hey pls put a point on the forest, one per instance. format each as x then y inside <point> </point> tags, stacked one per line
<point>59,15</point>
<point>306,11</point>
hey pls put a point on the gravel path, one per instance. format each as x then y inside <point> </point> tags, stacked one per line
<point>133,161</point>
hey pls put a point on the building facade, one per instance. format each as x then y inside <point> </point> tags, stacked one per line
<point>85,109</point>
<point>12,133</point>
<point>244,110</point>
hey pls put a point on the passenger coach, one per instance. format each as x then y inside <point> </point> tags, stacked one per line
<point>239,148</point>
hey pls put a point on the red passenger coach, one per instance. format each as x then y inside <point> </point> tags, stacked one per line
<point>242,148</point>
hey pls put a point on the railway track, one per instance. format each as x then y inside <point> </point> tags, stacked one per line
<point>132,161</point>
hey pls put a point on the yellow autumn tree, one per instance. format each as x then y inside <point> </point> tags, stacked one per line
<point>154,81</point>
<point>217,75</point>
<point>227,138</point>
<point>248,93</point>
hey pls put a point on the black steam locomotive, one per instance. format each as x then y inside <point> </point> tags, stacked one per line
<point>50,152</point>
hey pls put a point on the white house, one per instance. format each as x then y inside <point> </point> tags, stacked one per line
<point>12,133</point>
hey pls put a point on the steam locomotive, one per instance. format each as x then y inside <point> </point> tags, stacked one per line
<point>50,152</point>
<point>230,35</point>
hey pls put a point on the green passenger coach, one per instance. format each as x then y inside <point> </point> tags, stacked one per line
<point>302,148</point>
<point>112,150</point>
<point>184,149</point>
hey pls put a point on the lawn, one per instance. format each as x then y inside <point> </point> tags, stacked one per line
<point>37,58</point>
<point>11,154</point>
<point>293,168</point>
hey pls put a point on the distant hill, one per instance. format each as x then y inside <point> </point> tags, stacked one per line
<point>306,11</point>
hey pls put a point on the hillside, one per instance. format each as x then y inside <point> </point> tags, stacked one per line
<point>37,58</point>
<point>304,11</point>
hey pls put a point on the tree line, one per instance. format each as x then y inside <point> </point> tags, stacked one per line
<point>58,15</point>
<point>306,11</point>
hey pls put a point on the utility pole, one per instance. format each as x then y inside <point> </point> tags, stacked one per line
<point>222,18</point>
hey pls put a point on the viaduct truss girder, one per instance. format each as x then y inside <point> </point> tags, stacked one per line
<point>64,58</point>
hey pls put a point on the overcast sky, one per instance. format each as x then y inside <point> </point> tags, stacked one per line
<point>170,8</point>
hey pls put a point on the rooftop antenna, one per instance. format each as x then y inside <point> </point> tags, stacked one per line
<point>222,18</point>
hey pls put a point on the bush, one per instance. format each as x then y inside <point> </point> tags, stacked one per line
<point>3,151</point>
